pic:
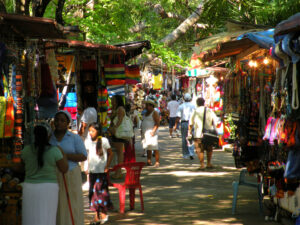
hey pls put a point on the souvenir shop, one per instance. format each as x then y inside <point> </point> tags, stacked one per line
<point>20,85</point>
<point>38,71</point>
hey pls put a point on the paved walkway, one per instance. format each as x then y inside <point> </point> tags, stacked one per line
<point>177,193</point>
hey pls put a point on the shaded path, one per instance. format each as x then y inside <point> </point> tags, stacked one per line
<point>176,193</point>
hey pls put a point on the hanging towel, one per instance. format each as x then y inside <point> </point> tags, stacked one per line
<point>116,90</point>
<point>132,72</point>
<point>115,82</point>
<point>114,71</point>
<point>9,118</point>
<point>2,115</point>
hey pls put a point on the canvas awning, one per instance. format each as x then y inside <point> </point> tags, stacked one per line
<point>29,27</point>
<point>134,49</point>
<point>83,45</point>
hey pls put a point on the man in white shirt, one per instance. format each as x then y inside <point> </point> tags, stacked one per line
<point>196,122</point>
<point>184,113</point>
<point>172,107</point>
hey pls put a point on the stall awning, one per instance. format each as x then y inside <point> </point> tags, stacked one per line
<point>104,49</point>
<point>292,24</point>
<point>198,72</point>
<point>30,27</point>
<point>135,48</point>
<point>247,42</point>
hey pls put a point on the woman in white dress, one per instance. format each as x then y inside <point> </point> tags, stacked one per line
<point>149,127</point>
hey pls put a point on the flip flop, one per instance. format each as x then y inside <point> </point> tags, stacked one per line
<point>201,168</point>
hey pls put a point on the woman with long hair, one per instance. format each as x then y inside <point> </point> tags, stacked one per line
<point>41,184</point>
<point>99,159</point>
<point>118,113</point>
<point>74,148</point>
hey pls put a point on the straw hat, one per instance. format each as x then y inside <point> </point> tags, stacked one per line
<point>150,101</point>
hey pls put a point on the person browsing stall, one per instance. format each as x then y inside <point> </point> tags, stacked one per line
<point>40,161</point>
<point>74,148</point>
<point>184,113</point>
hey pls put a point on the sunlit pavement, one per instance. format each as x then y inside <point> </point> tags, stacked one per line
<point>178,193</point>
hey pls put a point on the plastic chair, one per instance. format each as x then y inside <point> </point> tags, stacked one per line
<point>132,182</point>
<point>242,181</point>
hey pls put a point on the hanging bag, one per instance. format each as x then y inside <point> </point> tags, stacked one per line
<point>209,136</point>
<point>125,130</point>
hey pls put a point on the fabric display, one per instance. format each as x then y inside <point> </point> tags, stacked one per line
<point>132,73</point>
<point>114,71</point>
<point>115,90</point>
<point>9,119</point>
<point>157,81</point>
<point>2,115</point>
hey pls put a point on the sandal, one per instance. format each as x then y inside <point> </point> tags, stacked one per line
<point>201,168</point>
<point>156,164</point>
<point>210,167</point>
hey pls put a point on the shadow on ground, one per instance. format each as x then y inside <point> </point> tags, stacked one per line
<point>178,193</point>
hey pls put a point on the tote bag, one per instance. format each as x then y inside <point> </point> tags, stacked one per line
<point>210,136</point>
<point>125,130</point>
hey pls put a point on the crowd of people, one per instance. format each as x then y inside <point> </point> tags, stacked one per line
<point>54,164</point>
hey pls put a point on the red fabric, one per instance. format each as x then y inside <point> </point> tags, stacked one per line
<point>72,111</point>
<point>115,82</point>
<point>89,65</point>
<point>129,154</point>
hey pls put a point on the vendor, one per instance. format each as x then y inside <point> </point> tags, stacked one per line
<point>75,151</point>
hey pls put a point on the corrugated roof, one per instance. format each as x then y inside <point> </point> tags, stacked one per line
<point>30,27</point>
<point>135,48</point>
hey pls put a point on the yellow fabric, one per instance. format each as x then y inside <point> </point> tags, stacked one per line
<point>74,183</point>
<point>2,115</point>
<point>157,81</point>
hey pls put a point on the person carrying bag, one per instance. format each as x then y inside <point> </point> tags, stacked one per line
<point>203,121</point>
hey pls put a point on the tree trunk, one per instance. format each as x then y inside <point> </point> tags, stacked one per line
<point>39,7</point>
<point>59,10</point>
<point>183,27</point>
<point>2,6</point>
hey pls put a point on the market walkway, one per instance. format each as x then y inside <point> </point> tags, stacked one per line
<point>176,193</point>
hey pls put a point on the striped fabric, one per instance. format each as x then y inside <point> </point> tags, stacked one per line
<point>9,118</point>
<point>116,90</point>
<point>115,82</point>
<point>114,71</point>
<point>132,74</point>
<point>2,115</point>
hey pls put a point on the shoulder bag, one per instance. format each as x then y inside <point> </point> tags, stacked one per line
<point>125,130</point>
<point>209,136</point>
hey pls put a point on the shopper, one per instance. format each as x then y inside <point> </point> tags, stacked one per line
<point>196,122</point>
<point>75,151</point>
<point>41,185</point>
<point>149,127</point>
<point>184,113</point>
<point>99,160</point>
<point>172,107</point>
<point>118,113</point>
<point>88,117</point>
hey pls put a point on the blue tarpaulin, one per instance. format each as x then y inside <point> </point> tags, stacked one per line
<point>265,39</point>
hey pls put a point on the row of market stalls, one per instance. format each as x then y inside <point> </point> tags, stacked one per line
<point>40,73</point>
<point>261,107</point>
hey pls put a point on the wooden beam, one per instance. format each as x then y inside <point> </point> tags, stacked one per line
<point>248,51</point>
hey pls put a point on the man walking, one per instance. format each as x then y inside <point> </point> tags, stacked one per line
<point>172,107</point>
<point>196,122</point>
<point>184,113</point>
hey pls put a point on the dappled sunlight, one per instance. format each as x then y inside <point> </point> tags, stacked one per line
<point>191,174</point>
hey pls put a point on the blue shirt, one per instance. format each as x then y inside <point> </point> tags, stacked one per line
<point>71,144</point>
<point>185,110</point>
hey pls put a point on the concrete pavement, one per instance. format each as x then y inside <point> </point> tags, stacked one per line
<point>178,193</point>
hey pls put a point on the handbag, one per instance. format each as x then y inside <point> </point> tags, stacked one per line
<point>125,130</point>
<point>209,136</point>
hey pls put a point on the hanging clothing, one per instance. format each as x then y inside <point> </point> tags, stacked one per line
<point>157,81</point>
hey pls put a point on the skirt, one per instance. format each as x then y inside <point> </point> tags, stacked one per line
<point>39,203</point>
<point>74,184</point>
<point>99,194</point>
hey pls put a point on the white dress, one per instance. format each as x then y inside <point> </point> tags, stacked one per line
<point>149,142</point>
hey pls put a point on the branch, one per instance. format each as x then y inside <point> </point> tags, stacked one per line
<point>39,7</point>
<point>59,10</point>
<point>139,27</point>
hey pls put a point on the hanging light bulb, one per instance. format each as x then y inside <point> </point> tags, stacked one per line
<point>266,61</point>
<point>255,64</point>
<point>251,63</point>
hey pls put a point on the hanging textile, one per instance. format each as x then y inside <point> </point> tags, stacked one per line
<point>157,81</point>
<point>2,115</point>
<point>114,71</point>
<point>9,118</point>
<point>116,90</point>
<point>132,74</point>
<point>115,82</point>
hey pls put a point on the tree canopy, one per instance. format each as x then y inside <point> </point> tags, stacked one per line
<point>117,21</point>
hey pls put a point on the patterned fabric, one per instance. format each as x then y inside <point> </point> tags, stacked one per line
<point>114,71</point>
<point>115,90</point>
<point>9,118</point>
<point>98,193</point>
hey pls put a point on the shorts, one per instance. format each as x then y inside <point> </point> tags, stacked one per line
<point>115,139</point>
<point>172,121</point>
<point>202,147</point>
